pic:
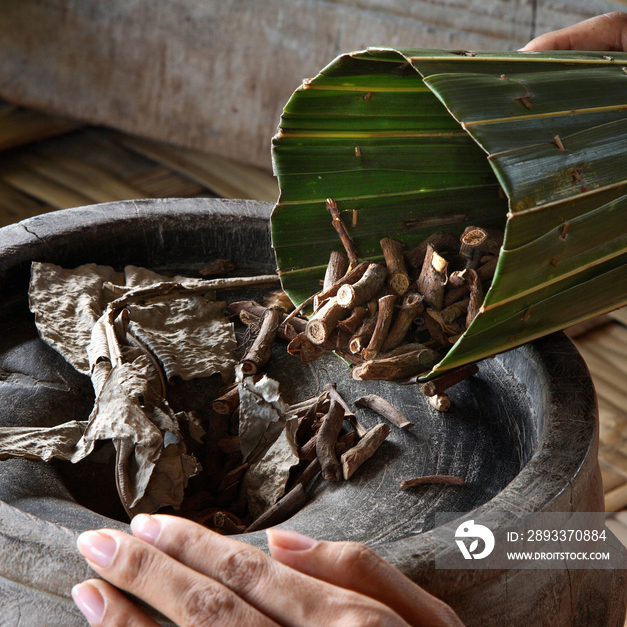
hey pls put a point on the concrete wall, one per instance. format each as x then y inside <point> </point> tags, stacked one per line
<point>214,74</point>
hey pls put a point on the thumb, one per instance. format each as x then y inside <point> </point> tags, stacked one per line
<point>356,567</point>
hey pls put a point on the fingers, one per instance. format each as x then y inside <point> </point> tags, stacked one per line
<point>183,595</point>
<point>102,605</point>
<point>356,567</point>
<point>604,32</point>
<point>290,598</point>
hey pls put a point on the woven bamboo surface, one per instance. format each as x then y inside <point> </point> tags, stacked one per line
<point>605,350</point>
<point>49,163</point>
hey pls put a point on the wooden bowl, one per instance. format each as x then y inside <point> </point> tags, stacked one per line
<point>523,433</point>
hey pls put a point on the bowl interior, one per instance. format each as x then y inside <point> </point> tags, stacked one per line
<point>487,437</point>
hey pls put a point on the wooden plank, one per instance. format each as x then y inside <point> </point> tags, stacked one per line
<point>587,326</point>
<point>615,460</point>
<point>97,148</point>
<point>618,529</point>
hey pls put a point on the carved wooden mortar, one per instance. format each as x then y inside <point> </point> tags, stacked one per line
<point>523,433</point>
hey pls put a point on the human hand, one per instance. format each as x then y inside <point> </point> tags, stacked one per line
<point>604,32</point>
<point>198,578</point>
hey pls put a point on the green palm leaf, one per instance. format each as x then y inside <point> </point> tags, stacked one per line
<point>412,141</point>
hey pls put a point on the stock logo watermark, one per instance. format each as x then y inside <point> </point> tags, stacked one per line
<point>469,529</point>
<point>552,540</point>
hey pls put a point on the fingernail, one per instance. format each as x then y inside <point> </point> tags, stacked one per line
<point>97,547</point>
<point>89,601</point>
<point>146,528</point>
<point>289,540</point>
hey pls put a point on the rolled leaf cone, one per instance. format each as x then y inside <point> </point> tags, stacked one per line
<point>408,142</point>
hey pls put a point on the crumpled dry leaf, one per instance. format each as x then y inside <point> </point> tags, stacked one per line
<point>67,304</point>
<point>264,482</point>
<point>168,481</point>
<point>135,276</point>
<point>190,335</point>
<point>118,416</point>
<point>187,332</point>
<point>43,442</point>
<point>153,467</point>
<point>196,430</point>
<point>262,415</point>
<point>129,412</point>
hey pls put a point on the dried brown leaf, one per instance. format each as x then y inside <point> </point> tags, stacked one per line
<point>262,415</point>
<point>44,443</point>
<point>264,483</point>
<point>67,304</point>
<point>189,335</point>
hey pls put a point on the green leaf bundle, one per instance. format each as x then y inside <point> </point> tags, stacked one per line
<point>408,142</point>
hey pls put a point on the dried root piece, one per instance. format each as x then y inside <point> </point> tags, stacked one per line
<point>433,278</point>
<point>364,449</point>
<point>476,297</point>
<point>477,242</point>
<point>441,402</point>
<point>435,331</point>
<point>385,409</point>
<point>354,321</point>
<point>283,509</point>
<point>308,450</point>
<point>448,329</point>
<point>362,336</point>
<point>397,367</point>
<point>301,346</point>
<point>227,403</point>
<point>338,225</point>
<point>380,333</point>
<point>359,293</point>
<point>412,306</point>
<point>352,276</point>
<point>456,310</point>
<point>226,523</point>
<point>402,349</point>
<point>398,279</point>
<point>429,479</point>
<point>331,390</point>
<point>337,268</point>
<point>448,379</point>
<point>485,273</point>
<point>326,440</point>
<point>439,241</point>
<point>325,321</point>
<point>313,468</point>
<point>261,349</point>
<point>254,312</point>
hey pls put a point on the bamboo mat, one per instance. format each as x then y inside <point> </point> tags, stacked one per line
<point>605,350</point>
<point>49,163</point>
